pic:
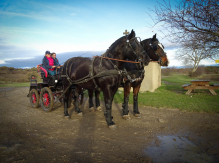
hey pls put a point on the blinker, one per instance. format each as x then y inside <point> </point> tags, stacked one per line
<point>155,47</point>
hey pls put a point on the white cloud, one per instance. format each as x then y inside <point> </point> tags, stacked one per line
<point>173,62</point>
<point>2,62</point>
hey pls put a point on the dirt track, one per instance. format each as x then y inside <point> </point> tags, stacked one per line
<point>32,135</point>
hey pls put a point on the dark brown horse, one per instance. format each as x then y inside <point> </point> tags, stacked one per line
<point>155,51</point>
<point>100,73</point>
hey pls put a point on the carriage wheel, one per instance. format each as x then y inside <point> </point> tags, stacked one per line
<point>34,98</point>
<point>46,99</point>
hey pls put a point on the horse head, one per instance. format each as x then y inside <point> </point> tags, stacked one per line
<point>134,50</point>
<point>159,50</point>
<point>155,50</point>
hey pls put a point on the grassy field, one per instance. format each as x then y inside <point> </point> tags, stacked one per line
<point>14,84</point>
<point>169,95</point>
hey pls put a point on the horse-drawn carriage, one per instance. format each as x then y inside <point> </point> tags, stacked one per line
<point>102,73</point>
<point>49,91</point>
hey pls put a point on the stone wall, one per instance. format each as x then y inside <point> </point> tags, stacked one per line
<point>152,78</point>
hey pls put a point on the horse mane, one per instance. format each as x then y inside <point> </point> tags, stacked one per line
<point>149,39</point>
<point>112,47</point>
<point>115,43</point>
<point>146,40</point>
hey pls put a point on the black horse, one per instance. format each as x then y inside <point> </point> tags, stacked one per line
<point>102,74</point>
<point>155,51</point>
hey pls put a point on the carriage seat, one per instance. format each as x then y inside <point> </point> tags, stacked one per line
<point>42,71</point>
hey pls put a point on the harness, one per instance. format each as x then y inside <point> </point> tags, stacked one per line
<point>91,76</point>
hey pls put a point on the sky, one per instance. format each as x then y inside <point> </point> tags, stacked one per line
<point>72,28</point>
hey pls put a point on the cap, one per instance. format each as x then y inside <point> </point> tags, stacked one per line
<point>47,52</point>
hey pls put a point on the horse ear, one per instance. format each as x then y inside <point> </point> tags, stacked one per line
<point>154,37</point>
<point>131,35</point>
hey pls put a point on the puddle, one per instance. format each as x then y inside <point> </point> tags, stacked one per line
<point>176,149</point>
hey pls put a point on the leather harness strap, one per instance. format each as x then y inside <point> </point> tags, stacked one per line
<point>116,59</point>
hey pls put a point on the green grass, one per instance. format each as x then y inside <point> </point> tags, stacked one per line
<point>14,84</point>
<point>172,96</point>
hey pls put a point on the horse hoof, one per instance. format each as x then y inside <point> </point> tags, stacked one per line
<point>126,117</point>
<point>80,114</point>
<point>113,127</point>
<point>92,109</point>
<point>99,108</point>
<point>67,117</point>
<point>138,115</point>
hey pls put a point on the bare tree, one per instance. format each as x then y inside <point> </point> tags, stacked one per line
<point>190,20</point>
<point>191,54</point>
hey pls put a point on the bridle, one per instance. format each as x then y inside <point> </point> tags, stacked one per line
<point>138,55</point>
<point>138,58</point>
<point>156,43</point>
<point>154,46</point>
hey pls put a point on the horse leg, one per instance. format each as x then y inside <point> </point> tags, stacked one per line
<point>97,101</point>
<point>76,95</point>
<point>66,97</point>
<point>125,110</point>
<point>91,105</point>
<point>108,97</point>
<point>135,99</point>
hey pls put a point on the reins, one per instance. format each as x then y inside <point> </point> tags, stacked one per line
<point>116,59</point>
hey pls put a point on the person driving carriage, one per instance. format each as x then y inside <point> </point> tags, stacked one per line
<point>56,62</point>
<point>49,63</point>
<point>53,55</point>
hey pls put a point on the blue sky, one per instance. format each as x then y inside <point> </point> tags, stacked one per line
<point>30,27</point>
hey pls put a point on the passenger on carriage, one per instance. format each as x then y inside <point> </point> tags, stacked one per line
<point>49,63</point>
<point>56,62</point>
<point>53,55</point>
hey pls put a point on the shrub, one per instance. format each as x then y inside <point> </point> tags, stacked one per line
<point>166,72</point>
<point>13,80</point>
<point>3,68</point>
<point>33,73</point>
<point>22,80</point>
<point>199,72</point>
<point>33,69</point>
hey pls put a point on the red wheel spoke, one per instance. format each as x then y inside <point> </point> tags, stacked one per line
<point>34,98</point>
<point>46,99</point>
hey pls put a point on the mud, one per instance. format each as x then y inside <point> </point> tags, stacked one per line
<point>160,135</point>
